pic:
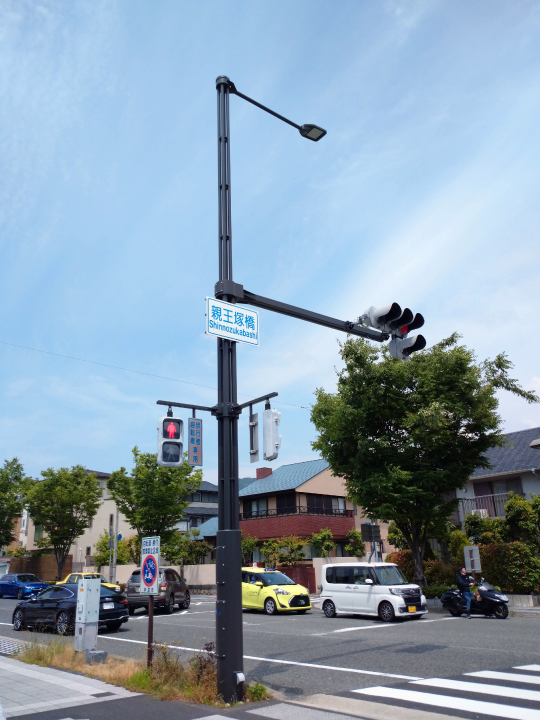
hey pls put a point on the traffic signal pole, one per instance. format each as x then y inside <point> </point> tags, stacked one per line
<point>229,636</point>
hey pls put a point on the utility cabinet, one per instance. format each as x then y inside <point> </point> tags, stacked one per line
<point>87,614</point>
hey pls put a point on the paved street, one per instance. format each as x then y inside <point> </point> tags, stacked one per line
<point>305,655</point>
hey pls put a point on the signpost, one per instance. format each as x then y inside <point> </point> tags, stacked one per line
<point>150,547</point>
<point>195,444</point>
<point>372,534</point>
<point>472,558</point>
<point>232,322</point>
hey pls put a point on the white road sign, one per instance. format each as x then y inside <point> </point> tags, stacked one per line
<point>149,566</point>
<point>233,322</point>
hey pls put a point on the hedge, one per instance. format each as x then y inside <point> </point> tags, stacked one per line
<point>512,566</point>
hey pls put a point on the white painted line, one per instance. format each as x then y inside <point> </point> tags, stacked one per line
<point>512,677</point>
<point>453,703</point>
<point>482,688</point>
<point>359,627</point>
<point>10,624</point>
<point>533,668</point>
<point>279,662</point>
<point>183,612</point>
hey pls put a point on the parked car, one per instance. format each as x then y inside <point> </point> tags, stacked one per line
<point>20,585</point>
<point>370,589</point>
<point>55,608</point>
<point>73,578</point>
<point>173,590</point>
<point>273,592</point>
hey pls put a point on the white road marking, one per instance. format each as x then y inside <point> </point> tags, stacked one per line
<point>359,627</point>
<point>453,703</point>
<point>482,688</point>
<point>183,612</point>
<point>279,662</point>
<point>512,677</point>
<point>533,668</point>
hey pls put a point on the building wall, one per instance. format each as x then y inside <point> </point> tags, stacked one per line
<point>325,483</point>
<point>303,525</point>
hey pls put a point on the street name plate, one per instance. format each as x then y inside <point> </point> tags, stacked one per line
<point>233,322</point>
<point>194,441</point>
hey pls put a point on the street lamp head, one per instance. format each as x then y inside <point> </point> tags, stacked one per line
<point>312,132</point>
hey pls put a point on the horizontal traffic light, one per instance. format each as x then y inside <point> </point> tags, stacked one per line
<point>399,323</point>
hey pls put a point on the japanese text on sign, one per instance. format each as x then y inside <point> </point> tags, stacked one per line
<point>150,547</point>
<point>232,322</point>
<point>195,441</point>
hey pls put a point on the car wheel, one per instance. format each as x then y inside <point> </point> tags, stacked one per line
<point>131,609</point>
<point>114,626</point>
<point>169,605</point>
<point>270,607</point>
<point>1,596</point>
<point>18,620</point>
<point>501,612</point>
<point>20,594</point>
<point>455,613</point>
<point>386,612</point>
<point>62,623</point>
<point>187,600</point>
<point>329,609</point>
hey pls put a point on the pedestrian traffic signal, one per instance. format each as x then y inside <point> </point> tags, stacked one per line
<point>271,436</point>
<point>399,323</point>
<point>170,451</point>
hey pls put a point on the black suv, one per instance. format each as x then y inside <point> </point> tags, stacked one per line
<point>173,590</point>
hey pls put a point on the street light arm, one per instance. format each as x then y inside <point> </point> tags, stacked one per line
<point>263,107</point>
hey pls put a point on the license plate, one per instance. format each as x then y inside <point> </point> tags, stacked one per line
<point>110,606</point>
<point>412,608</point>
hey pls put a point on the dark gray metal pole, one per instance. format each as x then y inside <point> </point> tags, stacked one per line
<point>229,639</point>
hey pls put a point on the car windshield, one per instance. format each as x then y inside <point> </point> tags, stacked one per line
<point>28,578</point>
<point>275,578</point>
<point>390,575</point>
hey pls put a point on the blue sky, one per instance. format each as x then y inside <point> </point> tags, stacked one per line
<point>425,191</point>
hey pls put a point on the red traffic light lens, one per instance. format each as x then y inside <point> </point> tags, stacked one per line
<point>171,429</point>
<point>404,329</point>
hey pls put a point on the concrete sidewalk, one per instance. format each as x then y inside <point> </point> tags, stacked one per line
<point>26,689</point>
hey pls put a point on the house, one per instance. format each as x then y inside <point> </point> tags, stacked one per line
<point>297,499</point>
<point>514,468</point>
<point>203,505</point>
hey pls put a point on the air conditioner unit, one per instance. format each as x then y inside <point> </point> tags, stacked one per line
<point>481,512</point>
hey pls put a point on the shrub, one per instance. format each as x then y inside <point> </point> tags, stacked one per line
<point>257,692</point>
<point>435,591</point>
<point>458,540</point>
<point>512,566</point>
<point>438,574</point>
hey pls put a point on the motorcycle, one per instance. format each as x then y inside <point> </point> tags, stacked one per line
<point>492,602</point>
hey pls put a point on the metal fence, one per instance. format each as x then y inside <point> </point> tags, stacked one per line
<point>296,510</point>
<point>485,505</point>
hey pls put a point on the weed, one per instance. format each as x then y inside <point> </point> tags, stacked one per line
<point>257,692</point>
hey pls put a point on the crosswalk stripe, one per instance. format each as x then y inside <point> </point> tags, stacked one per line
<point>453,703</point>
<point>533,668</point>
<point>512,677</point>
<point>483,688</point>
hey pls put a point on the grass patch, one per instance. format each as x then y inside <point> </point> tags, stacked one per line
<point>168,679</point>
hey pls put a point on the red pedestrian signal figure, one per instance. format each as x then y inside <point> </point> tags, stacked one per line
<point>171,429</point>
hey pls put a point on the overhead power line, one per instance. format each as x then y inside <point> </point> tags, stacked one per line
<point>137,372</point>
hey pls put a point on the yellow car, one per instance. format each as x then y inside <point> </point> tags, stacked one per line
<point>273,592</point>
<point>74,578</point>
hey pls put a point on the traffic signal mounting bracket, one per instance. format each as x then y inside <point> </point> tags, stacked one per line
<point>225,409</point>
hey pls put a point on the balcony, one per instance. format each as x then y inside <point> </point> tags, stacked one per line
<point>296,510</point>
<point>299,520</point>
<point>487,506</point>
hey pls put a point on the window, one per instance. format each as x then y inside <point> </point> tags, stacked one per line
<point>361,574</point>
<point>28,577</point>
<point>329,574</point>
<point>286,503</point>
<point>135,576</point>
<point>256,507</point>
<point>340,549</point>
<point>196,497</point>
<point>182,526</point>
<point>38,532</point>
<point>325,504</point>
<point>390,575</point>
<point>342,575</point>
<point>59,594</point>
<point>88,550</point>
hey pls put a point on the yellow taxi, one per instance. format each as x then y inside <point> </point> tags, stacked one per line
<point>74,578</point>
<point>273,592</point>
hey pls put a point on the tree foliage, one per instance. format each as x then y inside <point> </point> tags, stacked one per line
<point>103,553</point>
<point>185,547</point>
<point>248,544</point>
<point>153,498</point>
<point>13,485</point>
<point>323,542</point>
<point>63,503</point>
<point>291,549</point>
<point>270,550</point>
<point>407,435</point>
<point>355,546</point>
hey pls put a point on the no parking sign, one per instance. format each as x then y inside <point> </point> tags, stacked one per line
<point>150,566</point>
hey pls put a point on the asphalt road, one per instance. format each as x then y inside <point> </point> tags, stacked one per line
<point>301,655</point>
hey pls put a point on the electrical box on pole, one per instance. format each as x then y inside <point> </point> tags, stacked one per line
<point>271,436</point>
<point>170,450</point>
<point>87,615</point>
<point>253,436</point>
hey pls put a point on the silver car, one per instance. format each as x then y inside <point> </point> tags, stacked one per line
<point>173,590</point>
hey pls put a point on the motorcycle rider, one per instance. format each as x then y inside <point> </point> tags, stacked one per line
<point>464,583</point>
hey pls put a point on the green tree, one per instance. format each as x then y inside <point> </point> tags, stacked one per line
<point>103,552</point>
<point>521,521</point>
<point>153,498</point>
<point>185,547</point>
<point>396,537</point>
<point>63,503</point>
<point>291,549</point>
<point>406,435</point>
<point>458,540</point>
<point>270,550</point>
<point>13,486</point>
<point>323,542</point>
<point>355,545</point>
<point>133,544</point>
<point>249,544</point>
